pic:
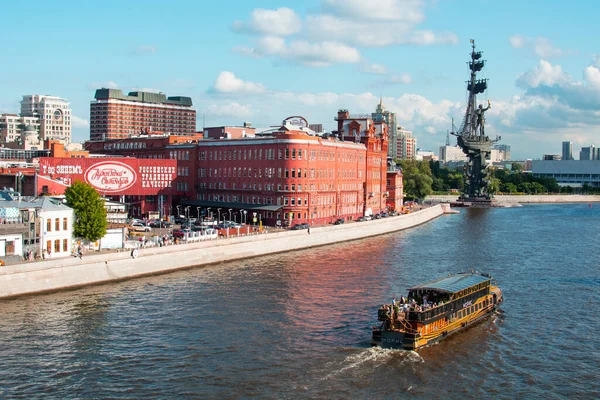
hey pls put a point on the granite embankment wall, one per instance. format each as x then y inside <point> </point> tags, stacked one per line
<point>568,198</point>
<point>51,275</point>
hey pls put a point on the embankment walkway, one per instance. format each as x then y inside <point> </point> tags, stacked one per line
<point>52,275</point>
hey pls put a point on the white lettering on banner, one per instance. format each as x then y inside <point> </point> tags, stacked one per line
<point>156,177</point>
<point>69,169</point>
<point>62,169</point>
<point>111,176</point>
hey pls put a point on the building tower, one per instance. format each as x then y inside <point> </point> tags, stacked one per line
<point>383,115</point>
<point>567,150</point>
<point>53,114</point>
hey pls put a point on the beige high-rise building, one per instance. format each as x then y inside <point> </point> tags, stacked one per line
<point>12,127</point>
<point>406,144</point>
<point>53,114</point>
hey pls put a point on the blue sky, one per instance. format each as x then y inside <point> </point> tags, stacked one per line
<point>263,61</point>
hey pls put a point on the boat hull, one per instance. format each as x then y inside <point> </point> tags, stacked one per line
<point>397,339</point>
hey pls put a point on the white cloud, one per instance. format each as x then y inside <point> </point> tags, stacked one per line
<point>232,109</point>
<point>330,37</point>
<point>300,51</point>
<point>280,22</point>
<point>377,69</point>
<point>409,11</point>
<point>77,122</point>
<point>544,74</point>
<point>591,74</point>
<point>323,53</point>
<point>369,34</point>
<point>227,82</point>
<point>540,46</point>
<point>402,78</point>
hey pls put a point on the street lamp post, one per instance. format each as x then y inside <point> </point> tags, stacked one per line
<point>209,214</point>
<point>178,212</point>
<point>187,212</point>
<point>230,214</point>
<point>242,217</point>
<point>198,209</point>
<point>245,217</point>
<point>218,215</point>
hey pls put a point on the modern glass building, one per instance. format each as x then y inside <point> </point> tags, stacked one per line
<point>567,150</point>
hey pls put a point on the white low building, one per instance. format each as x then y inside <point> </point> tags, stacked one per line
<point>55,221</point>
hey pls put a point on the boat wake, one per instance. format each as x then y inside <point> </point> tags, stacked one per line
<point>376,356</point>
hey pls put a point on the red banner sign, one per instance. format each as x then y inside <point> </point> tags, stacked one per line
<point>123,176</point>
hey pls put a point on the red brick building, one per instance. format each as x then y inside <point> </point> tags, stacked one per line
<point>287,175</point>
<point>114,115</point>
<point>374,136</point>
<point>394,196</point>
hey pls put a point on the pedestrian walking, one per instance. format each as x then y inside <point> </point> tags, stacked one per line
<point>309,229</point>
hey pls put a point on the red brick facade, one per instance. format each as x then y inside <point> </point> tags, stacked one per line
<point>288,176</point>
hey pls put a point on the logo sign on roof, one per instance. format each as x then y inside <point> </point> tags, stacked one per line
<point>110,176</point>
<point>296,121</point>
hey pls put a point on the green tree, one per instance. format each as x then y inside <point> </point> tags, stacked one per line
<point>457,181</point>
<point>516,167</point>
<point>508,187</point>
<point>90,214</point>
<point>417,178</point>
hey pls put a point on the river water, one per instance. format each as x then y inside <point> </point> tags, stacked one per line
<point>297,325</point>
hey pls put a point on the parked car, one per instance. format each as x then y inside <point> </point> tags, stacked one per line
<point>140,227</point>
<point>178,233</point>
<point>298,227</point>
<point>160,224</point>
<point>339,221</point>
<point>361,219</point>
<point>384,215</point>
<point>393,213</point>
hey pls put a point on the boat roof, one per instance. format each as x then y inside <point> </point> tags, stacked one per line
<point>453,283</point>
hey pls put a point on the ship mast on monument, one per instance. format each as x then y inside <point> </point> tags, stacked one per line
<point>472,138</point>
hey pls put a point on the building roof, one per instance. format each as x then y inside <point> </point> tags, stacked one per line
<point>145,97</point>
<point>47,203</point>
<point>453,283</point>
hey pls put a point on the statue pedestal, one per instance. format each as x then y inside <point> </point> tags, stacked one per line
<point>475,202</point>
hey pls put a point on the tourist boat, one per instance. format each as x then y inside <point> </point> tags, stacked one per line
<point>435,310</point>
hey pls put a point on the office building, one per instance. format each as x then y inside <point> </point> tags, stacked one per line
<point>451,153</point>
<point>52,113</point>
<point>406,144</point>
<point>567,150</point>
<point>383,115</point>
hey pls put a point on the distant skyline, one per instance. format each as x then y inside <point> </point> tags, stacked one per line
<point>261,62</point>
